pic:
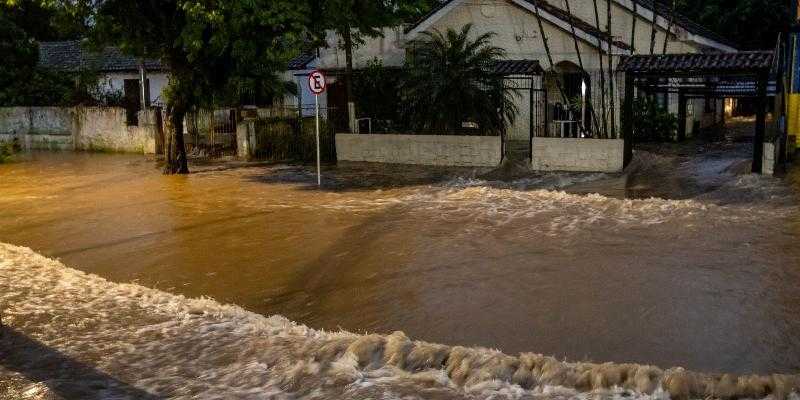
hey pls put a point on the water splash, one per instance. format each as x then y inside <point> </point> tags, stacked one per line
<point>171,346</point>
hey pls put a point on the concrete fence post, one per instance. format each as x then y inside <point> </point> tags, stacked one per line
<point>242,140</point>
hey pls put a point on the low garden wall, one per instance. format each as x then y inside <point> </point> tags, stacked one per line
<point>445,150</point>
<point>578,155</point>
<point>77,128</point>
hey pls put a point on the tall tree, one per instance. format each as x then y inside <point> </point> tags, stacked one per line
<point>49,20</point>
<point>353,21</point>
<point>603,107</point>
<point>610,59</point>
<point>211,48</point>
<point>669,26</point>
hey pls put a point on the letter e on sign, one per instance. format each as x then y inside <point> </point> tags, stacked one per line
<point>316,82</point>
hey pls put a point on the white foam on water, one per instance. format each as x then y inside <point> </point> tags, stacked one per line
<point>166,345</point>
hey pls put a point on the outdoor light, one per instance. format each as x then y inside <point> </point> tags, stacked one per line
<point>583,107</point>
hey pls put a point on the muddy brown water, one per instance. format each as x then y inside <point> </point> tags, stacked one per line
<point>705,277</point>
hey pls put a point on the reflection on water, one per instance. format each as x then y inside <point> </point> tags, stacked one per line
<point>707,280</point>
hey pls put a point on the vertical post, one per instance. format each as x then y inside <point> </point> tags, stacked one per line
<point>546,107</point>
<point>761,123</point>
<point>319,172</point>
<point>681,116</point>
<point>627,117</point>
<point>531,122</point>
<point>144,87</point>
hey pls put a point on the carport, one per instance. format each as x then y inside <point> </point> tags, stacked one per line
<point>721,75</point>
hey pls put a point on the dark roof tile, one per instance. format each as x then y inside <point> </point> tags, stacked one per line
<point>301,61</point>
<point>747,61</point>
<point>71,56</point>
<point>517,67</point>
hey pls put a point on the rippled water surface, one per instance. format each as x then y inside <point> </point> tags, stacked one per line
<point>704,277</point>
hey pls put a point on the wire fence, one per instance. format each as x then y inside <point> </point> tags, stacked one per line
<point>287,134</point>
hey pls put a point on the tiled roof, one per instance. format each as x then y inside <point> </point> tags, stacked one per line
<point>71,56</point>
<point>517,67</point>
<point>662,9</point>
<point>746,61</point>
<point>301,61</point>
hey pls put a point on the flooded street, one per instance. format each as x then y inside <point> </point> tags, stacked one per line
<point>704,276</point>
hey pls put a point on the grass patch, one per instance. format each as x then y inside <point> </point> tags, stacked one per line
<point>8,149</point>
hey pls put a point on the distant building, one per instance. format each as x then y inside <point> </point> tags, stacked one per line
<point>118,73</point>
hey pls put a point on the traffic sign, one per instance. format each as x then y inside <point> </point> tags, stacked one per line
<point>316,82</point>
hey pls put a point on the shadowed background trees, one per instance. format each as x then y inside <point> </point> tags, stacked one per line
<point>752,24</point>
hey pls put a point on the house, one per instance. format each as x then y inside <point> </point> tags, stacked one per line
<point>517,30</point>
<point>119,74</point>
<point>574,63</point>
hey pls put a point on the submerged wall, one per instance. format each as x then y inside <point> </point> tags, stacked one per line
<point>445,150</point>
<point>578,155</point>
<point>76,128</point>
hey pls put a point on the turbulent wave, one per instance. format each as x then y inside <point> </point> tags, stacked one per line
<point>133,341</point>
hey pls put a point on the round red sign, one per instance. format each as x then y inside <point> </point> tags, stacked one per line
<point>316,82</point>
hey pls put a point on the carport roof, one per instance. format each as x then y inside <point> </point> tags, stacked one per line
<point>517,67</point>
<point>698,64</point>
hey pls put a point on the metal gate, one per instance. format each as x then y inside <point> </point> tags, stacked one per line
<point>210,133</point>
<point>531,102</point>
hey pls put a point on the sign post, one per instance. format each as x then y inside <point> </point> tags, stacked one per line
<point>317,85</point>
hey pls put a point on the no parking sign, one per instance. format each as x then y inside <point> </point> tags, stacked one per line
<point>316,82</point>
<point>317,85</point>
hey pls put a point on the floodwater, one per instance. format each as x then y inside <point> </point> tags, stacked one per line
<point>583,267</point>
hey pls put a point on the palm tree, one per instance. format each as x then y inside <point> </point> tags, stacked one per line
<point>450,81</point>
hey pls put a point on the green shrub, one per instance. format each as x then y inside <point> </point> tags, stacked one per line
<point>652,122</point>
<point>7,150</point>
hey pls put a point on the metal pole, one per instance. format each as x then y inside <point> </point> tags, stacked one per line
<point>319,173</point>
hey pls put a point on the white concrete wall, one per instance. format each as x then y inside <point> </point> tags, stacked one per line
<point>446,150</point>
<point>579,155</point>
<point>37,127</point>
<point>75,128</point>
<point>105,129</point>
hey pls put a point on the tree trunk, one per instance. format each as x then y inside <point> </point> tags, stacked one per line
<point>669,25</point>
<point>583,70</point>
<point>176,162</point>
<point>633,28</point>
<point>603,107</point>
<point>547,51</point>
<point>653,31</point>
<point>348,80</point>
<point>610,55</point>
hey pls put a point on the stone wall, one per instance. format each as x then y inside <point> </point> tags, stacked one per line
<point>446,150</point>
<point>76,128</point>
<point>578,155</point>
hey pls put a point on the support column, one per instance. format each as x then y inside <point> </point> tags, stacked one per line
<point>761,124</point>
<point>627,118</point>
<point>681,116</point>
